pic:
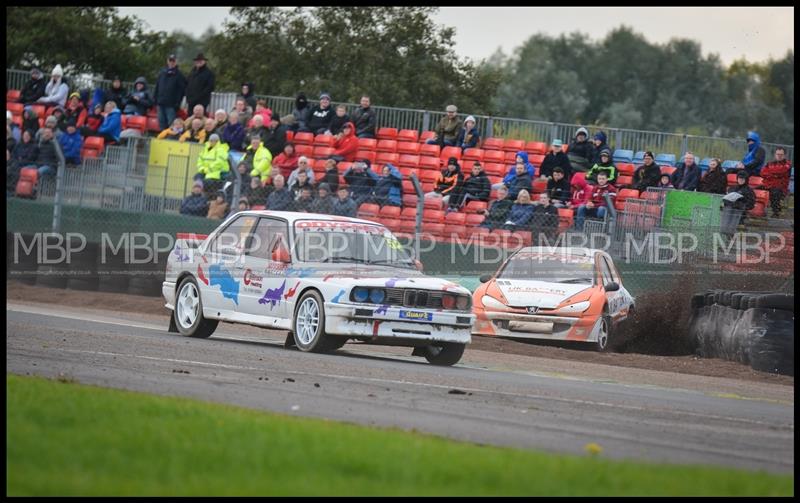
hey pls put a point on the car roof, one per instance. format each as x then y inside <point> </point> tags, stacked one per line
<point>569,250</point>
<point>293,216</point>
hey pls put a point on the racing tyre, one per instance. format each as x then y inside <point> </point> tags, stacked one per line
<point>444,354</point>
<point>308,326</point>
<point>698,300</point>
<point>604,335</point>
<point>776,301</point>
<point>188,311</point>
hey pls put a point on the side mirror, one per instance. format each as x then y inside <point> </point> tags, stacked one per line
<point>485,278</point>
<point>418,264</point>
<point>612,287</point>
<point>281,254</point>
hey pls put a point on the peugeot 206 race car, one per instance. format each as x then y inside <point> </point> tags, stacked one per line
<point>325,279</point>
<point>571,294</point>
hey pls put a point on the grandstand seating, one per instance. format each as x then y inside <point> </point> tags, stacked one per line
<point>511,145</point>
<point>407,147</point>
<point>726,165</point>
<point>409,161</point>
<point>429,163</point>
<point>369,211</point>
<point>387,133</point>
<point>387,146</point>
<point>426,135</point>
<point>476,206</point>
<point>668,159</point>
<point>137,122</point>
<point>449,152</point>
<point>387,158</point>
<point>429,150</point>
<point>536,147</point>
<point>624,181</point>
<point>472,155</point>
<point>493,156</point>
<point>731,179</point>
<point>494,169</point>
<point>322,152</point>
<point>13,95</point>
<point>755,182</point>
<point>638,157</point>
<point>366,154</point>
<point>625,168</point>
<point>94,143</point>
<point>408,135</point>
<point>493,144</point>
<point>668,170</point>
<point>304,138</point>
<point>26,184</point>
<point>622,155</point>
<point>367,144</point>
<point>324,140</point>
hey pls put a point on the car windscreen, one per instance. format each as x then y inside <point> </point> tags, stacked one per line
<point>552,268</point>
<point>345,242</point>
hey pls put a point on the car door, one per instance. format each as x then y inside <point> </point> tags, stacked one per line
<point>219,271</point>
<point>265,288</point>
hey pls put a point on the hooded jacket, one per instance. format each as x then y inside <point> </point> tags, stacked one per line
<point>71,145</point>
<point>686,178</point>
<point>754,159</point>
<point>55,92</point>
<point>388,189</point>
<point>646,176</point>
<point>347,145</point>
<point>603,146</point>
<point>319,119</point>
<point>580,153</point>
<point>145,102</point>
<point>449,182</point>
<point>199,86</point>
<point>195,204</point>
<point>714,182</point>
<point>213,161</point>
<point>260,160</point>
<point>551,161</point>
<point>776,175</point>
<point>275,139</point>
<point>508,180</point>
<point>301,111</point>
<point>608,167</point>
<point>170,87</point>
<point>33,90</point>
<point>112,124</point>
<point>365,121</point>
<point>580,191</point>
<point>468,139</point>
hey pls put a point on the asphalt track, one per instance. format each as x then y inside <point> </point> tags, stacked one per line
<point>386,387</point>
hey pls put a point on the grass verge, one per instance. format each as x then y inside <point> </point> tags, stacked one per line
<point>65,438</point>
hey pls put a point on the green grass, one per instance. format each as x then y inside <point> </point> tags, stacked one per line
<point>65,438</point>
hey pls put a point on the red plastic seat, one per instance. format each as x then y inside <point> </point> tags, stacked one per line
<point>137,122</point>
<point>40,110</point>
<point>387,146</point>
<point>152,111</point>
<point>494,156</point>
<point>408,187</point>
<point>432,204</point>
<point>732,179</point>
<point>407,147</point>
<point>410,161</point>
<point>407,172</point>
<point>536,159</point>
<point>368,210</point>
<point>153,125</point>
<point>428,175</point>
<point>258,207</point>
<point>366,154</point>
<point>387,158</point>
<point>494,169</point>
<point>515,146</point>
<point>475,206</point>
<point>564,147</point>
<point>429,163</point>
<point>26,184</point>
<point>13,95</point>
<point>493,144</point>
<point>123,119</point>
<point>759,210</point>
<point>437,229</point>
<point>408,135</point>
<point>324,140</point>
<point>510,157</point>
<point>322,152</point>
<point>474,219</point>
<point>409,212</point>
<point>89,153</point>
<point>762,196</point>
<point>454,218</point>
<point>668,170</point>
<point>472,154</point>
<point>387,133</point>
<point>304,138</point>
<point>427,135</point>
<point>367,144</point>
<point>94,142</point>
<point>539,186</point>
<point>408,226</point>
<point>290,136</point>
<point>449,152</point>
<point>390,211</point>
<point>625,168</point>
<point>536,147</point>
<point>15,108</point>
<point>303,149</point>
<point>624,180</point>
<point>429,150</point>
<point>410,201</point>
<point>318,165</point>
<point>755,182</point>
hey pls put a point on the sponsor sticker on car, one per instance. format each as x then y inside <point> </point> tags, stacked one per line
<point>416,315</point>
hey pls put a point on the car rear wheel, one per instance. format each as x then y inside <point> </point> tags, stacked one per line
<point>188,313</point>
<point>444,353</point>
<point>604,334</point>
<point>309,326</point>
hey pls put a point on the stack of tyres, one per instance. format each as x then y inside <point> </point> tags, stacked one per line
<point>83,268</point>
<point>112,270</point>
<point>148,273</point>
<point>21,260</point>
<point>53,269</point>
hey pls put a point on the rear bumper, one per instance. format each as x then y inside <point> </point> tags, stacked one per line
<point>536,326</point>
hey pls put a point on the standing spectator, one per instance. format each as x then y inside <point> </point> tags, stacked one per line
<point>275,136</point>
<point>521,212</point>
<point>323,203</point>
<point>581,151</point>
<point>389,187</point>
<point>173,132</point>
<point>258,130</point>
<point>257,193</point>
<point>447,129</point>
<point>301,113</point>
<point>648,174</point>
<point>338,121</point>
<point>245,112</point>
<point>218,207</point>
<point>331,175</point>
<point>715,180</point>
<point>600,143</point>
<point>56,91</point>
<point>469,136</point>
<point>365,119</point>
<point>498,210</point>
<point>746,198</point>
<point>75,110</point>
<point>303,165</point>
<point>476,188</point>
<point>259,157</point>
<point>199,83</point>
<point>687,174</point>
<point>220,121</point>
<point>198,112</point>
<point>112,123</point>
<point>522,181</point>
<point>448,182</point>
<point>233,132</point>
<point>665,182</point>
<point>346,144</point>
<point>596,205</point>
<point>30,120</point>
<point>321,115</point>
<point>776,180</point>
<point>248,94</point>
<point>195,134</point>
<point>95,120</point>
<point>116,93</point>
<point>286,161</point>
<point>71,143</point>
<point>196,203</point>
<point>344,205</point>
<point>138,102</point>
<point>280,199</point>
<point>361,180</point>
<point>302,181</point>
<point>604,164</point>
<point>511,176</point>
<point>581,192</point>
<point>558,188</point>
<point>754,159</point>
<point>212,163</point>
<point>170,87</point>
<point>47,159</point>
<point>34,88</point>
<point>262,110</point>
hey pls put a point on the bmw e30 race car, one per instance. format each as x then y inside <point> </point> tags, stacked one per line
<point>570,294</point>
<point>326,279</point>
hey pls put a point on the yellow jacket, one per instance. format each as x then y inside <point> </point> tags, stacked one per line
<point>198,137</point>
<point>213,161</point>
<point>262,161</point>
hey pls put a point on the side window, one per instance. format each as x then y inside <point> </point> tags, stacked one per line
<point>268,234</point>
<point>605,271</point>
<point>234,236</point>
<point>612,269</point>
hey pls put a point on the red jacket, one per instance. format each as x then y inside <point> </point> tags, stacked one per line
<point>347,145</point>
<point>286,164</point>
<point>776,175</point>
<point>597,193</point>
<point>581,191</point>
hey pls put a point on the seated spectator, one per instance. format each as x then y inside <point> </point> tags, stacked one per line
<point>338,121</point>
<point>233,133</point>
<point>605,164</point>
<point>243,205</point>
<point>522,180</point>
<point>280,199</point>
<point>286,161</point>
<point>331,175</point>
<point>95,120</point>
<point>195,134</point>
<point>596,205</point>
<point>56,91</point>
<point>75,110</point>
<point>11,142</point>
<point>47,159</point>
<point>344,205</point>
<point>243,173</point>
<point>648,174</point>
<point>715,180</point>
<point>111,127</point>
<point>275,136</point>
<point>498,210</point>
<point>447,128</point>
<point>319,119</point>
<point>323,203</point>
<point>448,182</point>
<point>116,93</point>
<point>51,123</point>
<point>220,121</point>
<point>30,120</point>
<point>511,176</point>
<point>346,144</point>
<point>259,158</point>
<point>218,207</point>
<point>258,129</point>
<point>195,203</point>
<point>301,113</point>
<point>476,188</point>
<point>581,191</point>
<point>746,198</point>
<point>521,213</point>
<point>173,132</point>
<point>361,181</point>
<point>302,181</point>
<point>755,157</point>
<point>24,154</point>
<point>558,189</point>
<point>599,139</point>
<point>389,187</point>
<point>209,126</point>
<point>248,94</point>
<point>71,143</point>
<point>303,166</point>
<point>257,192</point>
<point>34,88</point>
<point>198,112</point>
<point>364,119</point>
<point>581,151</point>
<point>469,136</point>
<point>305,199</point>
<point>15,131</point>
<point>245,113</point>
<point>139,101</point>
<point>61,121</point>
<point>555,158</point>
<point>212,164</point>
<point>545,217</point>
<point>687,173</point>
<point>776,180</point>
<point>665,182</point>
<point>263,111</point>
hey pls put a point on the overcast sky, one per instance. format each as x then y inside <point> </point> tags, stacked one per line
<point>755,33</point>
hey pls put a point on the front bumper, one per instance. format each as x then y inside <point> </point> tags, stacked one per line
<point>536,326</point>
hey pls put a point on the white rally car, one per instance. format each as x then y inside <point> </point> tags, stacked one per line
<point>325,279</point>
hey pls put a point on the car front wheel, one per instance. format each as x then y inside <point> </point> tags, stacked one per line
<point>444,353</point>
<point>604,334</point>
<point>188,313</point>
<point>309,325</point>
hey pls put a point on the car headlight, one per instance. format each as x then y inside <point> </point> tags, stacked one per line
<point>360,294</point>
<point>376,295</point>
<point>462,302</point>
<point>578,307</point>
<point>492,302</point>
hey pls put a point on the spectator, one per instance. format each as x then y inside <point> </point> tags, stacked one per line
<point>361,180</point>
<point>389,187</point>
<point>56,91</point>
<point>344,205</point>
<point>286,161</point>
<point>139,101</point>
<point>52,123</point>
<point>199,83</point>
<point>522,180</point>
<point>195,203</point>
<point>448,182</point>
<point>16,133</point>
<point>30,120</point>
<point>25,153</point>
<point>112,124</point>
<point>170,87</point>
<point>259,157</point>
<point>47,158</point>
<point>581,191</point>
<point>257,193</point>
<point>233,132</point>
<point>581,151</point>
<point>754,159</point>
<point>173,132</point>
<point>198,112</point>
<point>209,125</point>
<point>715,180</point>
<point>600,143</point>
<point>365,119</point>
<point>262,110</point>
<point>301,113</point>
<point>303,181</point>
<point>331,175</point>
<point>338,121</point>
<point>195,134</point>
<point>280,199</point>
<point>511,176</point>
<point>258,129</point>
<point>34,88</point>
<point>319,119</point>
<point>244,205</point>
<point>61,121</point>
<point>212,163</point>
<point>469,136</point>
<point>71,143</point>
<point>776,180</point>
<point>75,110</point>
<point>555,158</point>
<point>95,120</point>
<point>303,165</point>
<point>648,174</point>
<point>218,207</point>
<point>116,93</point>
<point>248,94</point>
<point>545,217</point>
<point>558,188</point>
<point>220,121</point>
<point>687,173</point>
<point>596,205</point>
<point>323,203</point>
<point>245,112</point>
<point>476,188</point>
<point>498,210</point>
<point>346,144</point>
<point>305,199</point>
<point>243,170</point>
<point>447,129</point>
<point>521,212</point>
<point>746,198</point>
<point>275,136</point>
<point>665,182</point>
<point>605,164</point>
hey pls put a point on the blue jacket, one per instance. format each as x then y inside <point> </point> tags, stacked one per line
<point>686,178</point>
<point>756,155</point>
<point>521,214</point>
<point>508,180</point>
<point>361,184</point>
<point>389,188</point>
<point>233,136</point>
<point>71,145</point>
<point>112,124</point>
<point>195,204</point>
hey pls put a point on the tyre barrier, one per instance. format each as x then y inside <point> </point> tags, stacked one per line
<point>21,262</point>
<point>755,328</point>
